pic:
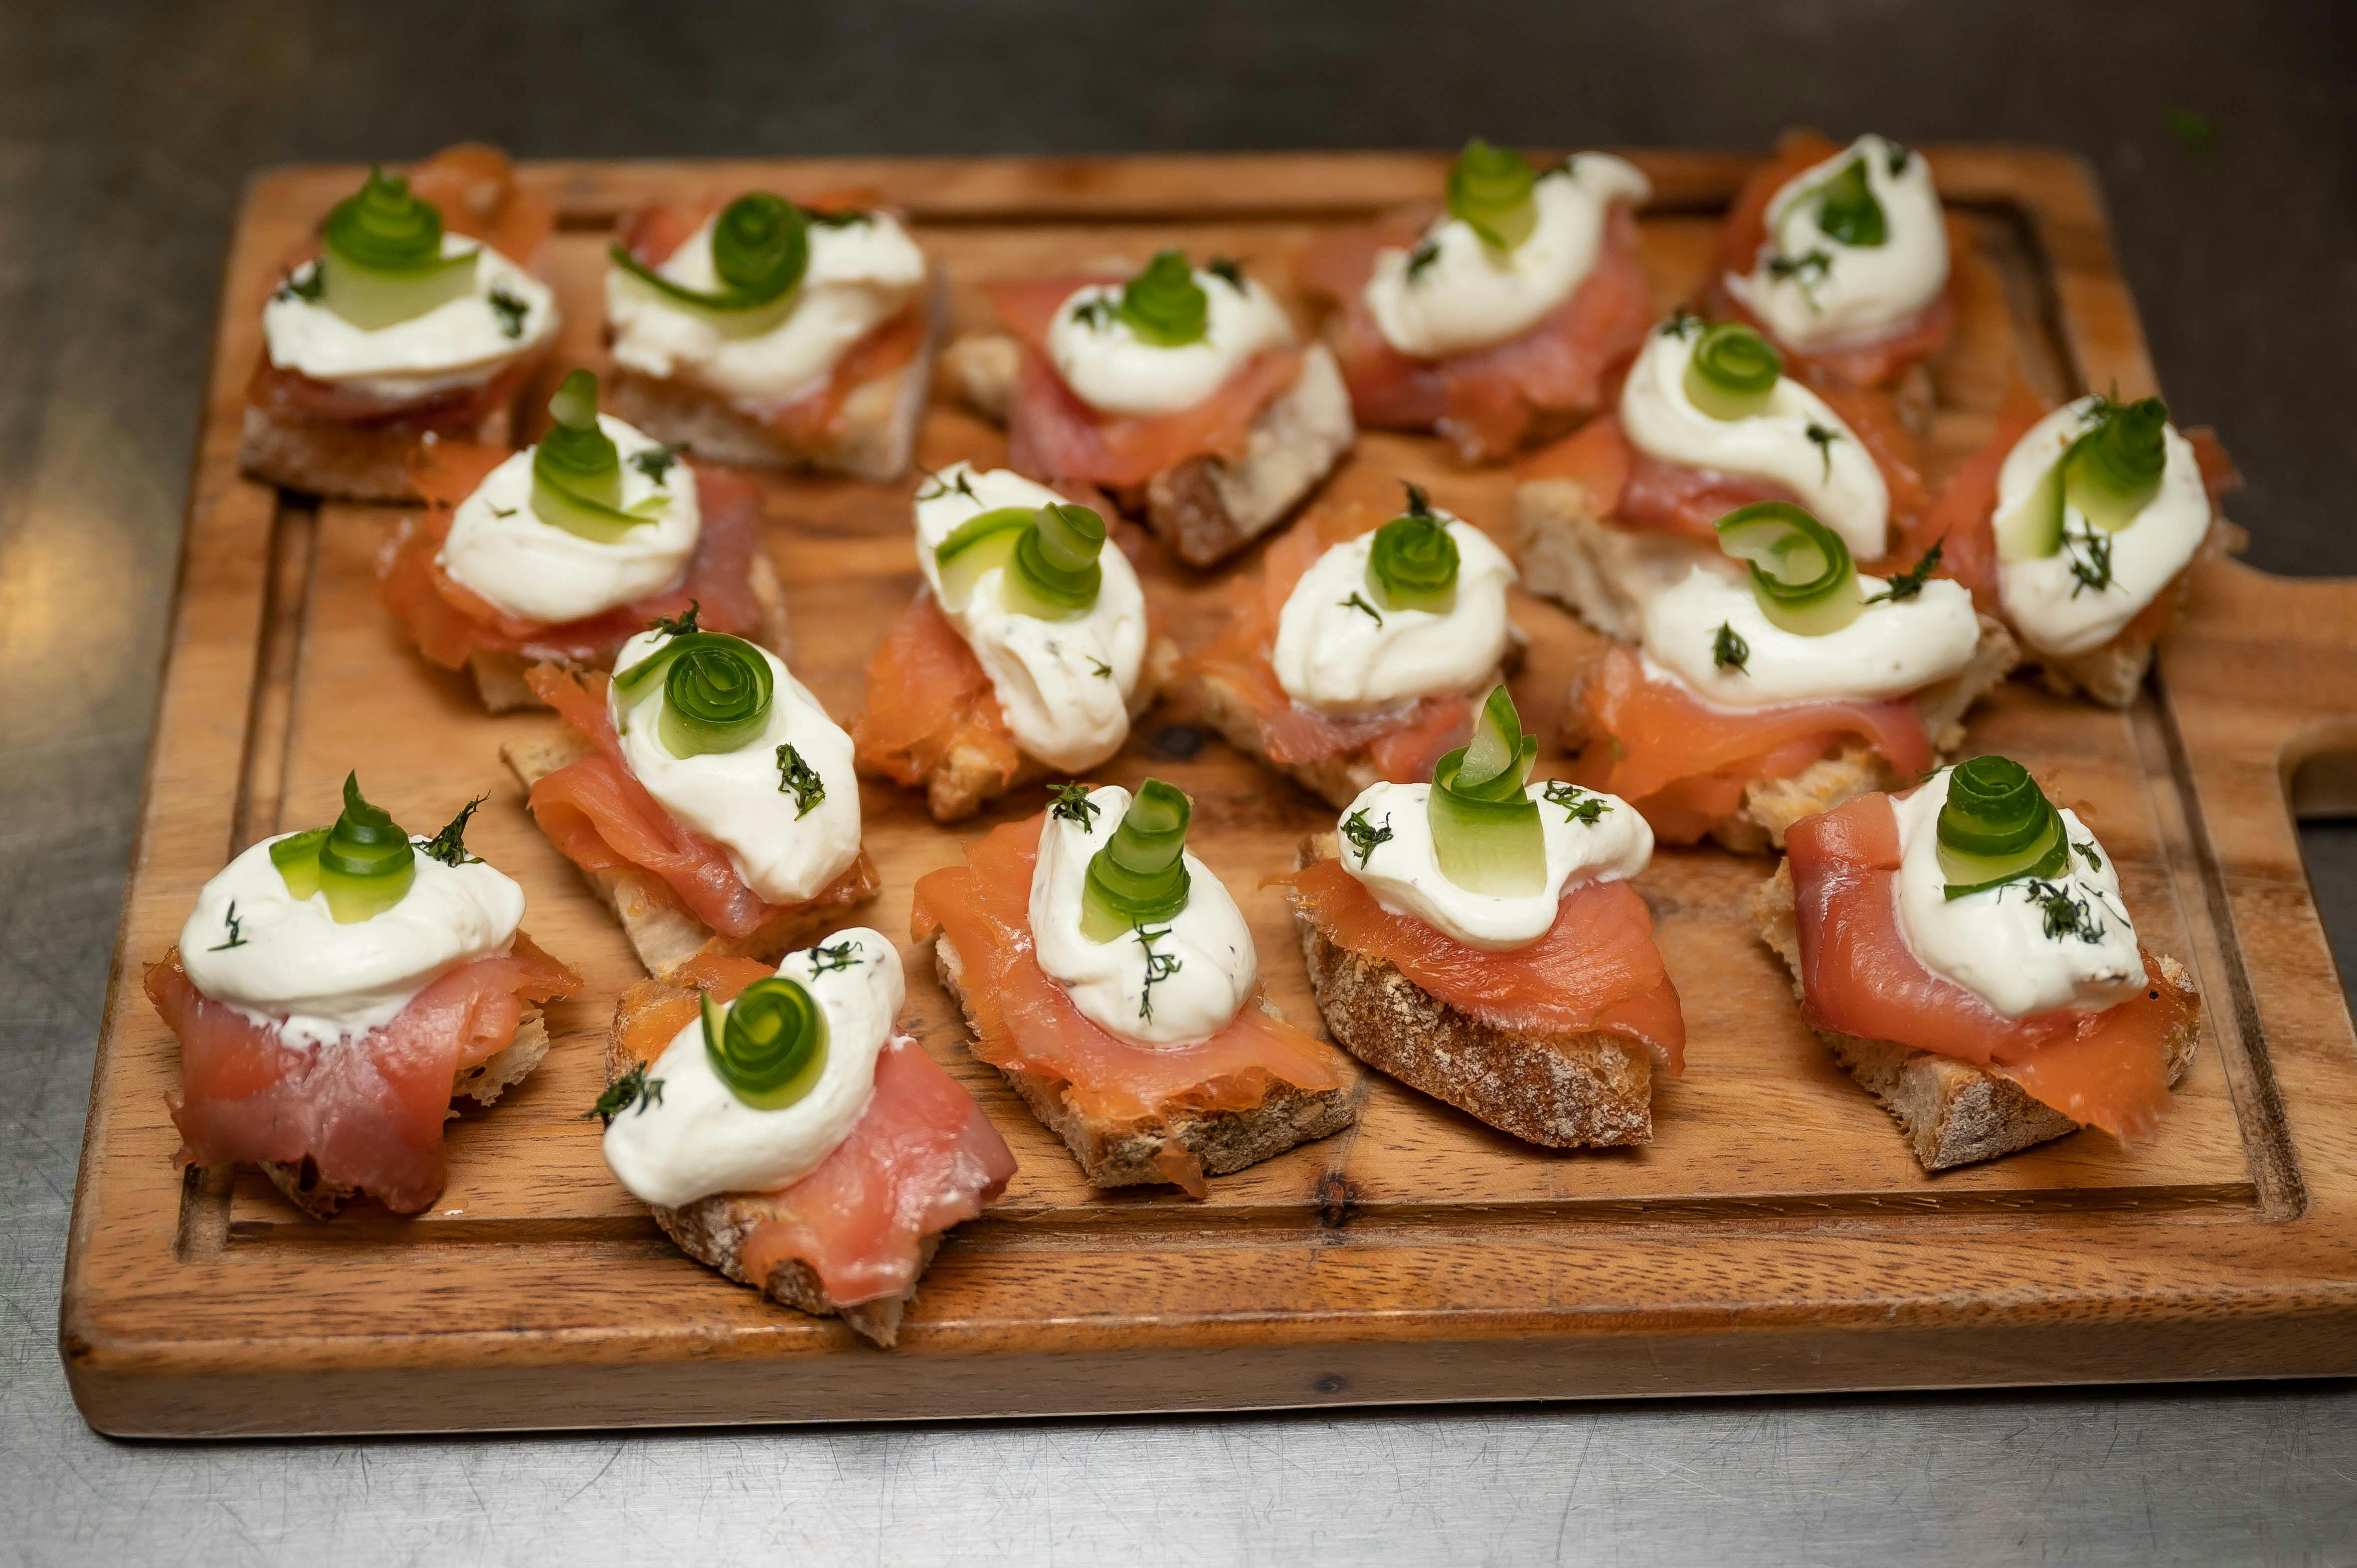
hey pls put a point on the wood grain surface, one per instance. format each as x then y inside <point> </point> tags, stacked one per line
<point>1776,1234</point>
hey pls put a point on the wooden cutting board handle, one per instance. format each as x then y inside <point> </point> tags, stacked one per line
<point>2280,653</point>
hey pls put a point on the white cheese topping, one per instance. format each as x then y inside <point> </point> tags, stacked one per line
<point>859,276</point>
<point>1891,649</point>
<point>699,1138</point>
<point>739,798</point>
<point>2047,602</point>
<point>1202,963</point>
<point>461,342</point>
<point>1994,944</point>
<point>294,966</point>
<point>1470,294</point>
<point>1403,871</point>
<point>1111,368</point>
<point>1834,476</point>
<point>1340,658</point>
<point>1065,684</point>
<point>499,547</point>
<point>1859,293</point>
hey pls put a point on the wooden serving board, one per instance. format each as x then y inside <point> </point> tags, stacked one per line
<point>1775,1236</point>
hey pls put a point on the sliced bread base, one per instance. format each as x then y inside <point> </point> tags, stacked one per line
<point>662,934</point>
<point>498,677</point>
<point>1565,1091</point>
<point>967,778</point>
<point>1177,1145</point>
<point>1603,575</point>
<point>349,462</point>
<point>1952,1113</point>
<point>298,1180</point>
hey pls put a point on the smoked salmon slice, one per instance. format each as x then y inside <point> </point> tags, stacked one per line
<point>1024,1021</point>
<point>1053,435</point>
<point>450,622</point>
<point>1487,402</point>
<point>922,1158</point>
<point>603,818</point>
<point>1400,744</point>
<point>367,1111</point>
<point>1683,764</point>
<point>2107,1068</point>
<point>1596,968</point>
<point>929,695</point>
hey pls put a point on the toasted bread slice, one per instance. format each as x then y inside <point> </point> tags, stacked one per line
<point>484,1082</point>
<point>1603,575</point>
<point>875,438</point>
<point>965,778</point>
<point>1771,805</point>
<point>661,934</point>
<point>1177,1145</point>
<point>351,462</point>
<point>1565,1091</point>
<point>1952,1113</point>
<point>498,677</point>
<point>1206,509</point>
<point>713,1230</point>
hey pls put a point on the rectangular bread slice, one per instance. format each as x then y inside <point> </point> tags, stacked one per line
<point>498,677</point>
<point>1177,1145</point>
<point>713,1231</point>
<point>1952,1113</point>
<point>662,934</point>
<point>1565,1091</point>
<point>349,462</point>
<point>875,437</point>
<point>298,1180</point>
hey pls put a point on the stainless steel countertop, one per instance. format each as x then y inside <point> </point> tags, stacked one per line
<point>125,132</point>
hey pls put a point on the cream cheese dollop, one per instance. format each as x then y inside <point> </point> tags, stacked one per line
<point>1403,869</point>
<point>320,981</point>
<point>1994,944</point>
<point>860,275</point>
<point>1469,294</point>
<point>499,547</point>
<point>2047,602</point>
<point>1859,293</point>
<point>461,342</point>
<point>698,1138</point>
<point>1206,950</point>
<point>1337,657</point>
<point>1835,478</point>
<point>1891,649</point>
<point>1112,370</point>
<point>1065,684</point>
<point>739,798</point>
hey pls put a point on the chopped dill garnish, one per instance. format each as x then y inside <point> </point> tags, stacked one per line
<point>1910,583</point>
<point>1357,601</point>
<point>1897,160</point>
<point>1228,269</point>
<point>2093,569</point>
<point>497,510</point>
<point>1099,668</point>
<point>1364,835</point>
<point>306,285</point>
<point>943,487</point>
<point>1097,312</point>
<point>848,218</point>
<point>1578,805</point>
<point>633,1088</point>
<point>1160,967</point>
<point>509,309</point>
<point>1420,260</point>
<point>841,955</point>
<point>1419,504</point>
<point>1729,652</point>
<point>449,845</point>
<point>1824,436</point>
<point>2087,851</point>
<point>2064,916</point>
<point>235,938</point>
<point>677,625</point>
<point>1682,323</point>
<point>800,779</point>
<point>655,462</point>
<point>1071,803</point>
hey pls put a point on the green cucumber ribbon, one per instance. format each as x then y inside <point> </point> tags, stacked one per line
<point>769,1045</point>
<point>1164,305</point>
<point>1050,552</point>
<point>1998,826</point>
<point>1485,827</point>
<point>761,249</point>
<point>1847,211</point>
<point>382,261</point>
<point>1413,564</point>
<point>2111,472</point>
<point>1732,373</point>
<point>1140,877</point>
<point>364,864</point>
<point>717,691</point>
<point>1493,192</point>
<point>576,471</point>
<point>1802,574</point>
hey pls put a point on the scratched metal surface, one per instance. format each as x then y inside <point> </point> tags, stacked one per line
<point>125,131</point>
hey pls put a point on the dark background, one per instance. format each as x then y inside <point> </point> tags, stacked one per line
<point>2221,134</point>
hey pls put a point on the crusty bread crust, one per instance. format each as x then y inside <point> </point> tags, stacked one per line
<point>1206,509</point>
<point>498,677</point>
<point>663,936</point>
<point>713,1231</point>
<point>1603,575</point>
<point>967,778</point>
<point>1952,1113</point>
<point>875,438</point>
<point>298,1180</point>
<point>2113,673</point>
<point>1565,1091</point>
<point>350,462</point>
<point>1175,1144</point>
